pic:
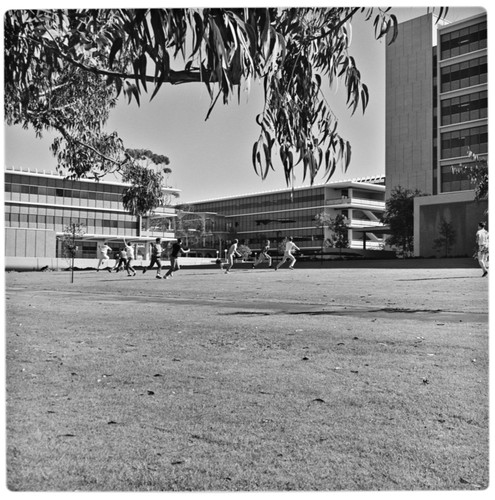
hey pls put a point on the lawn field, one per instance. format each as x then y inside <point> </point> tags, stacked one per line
<point>336,378</point>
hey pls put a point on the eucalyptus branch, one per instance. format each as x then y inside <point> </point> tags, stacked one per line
<point>103,157</point>
<point>336,27</point>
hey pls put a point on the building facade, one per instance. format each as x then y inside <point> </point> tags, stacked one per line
<point>275,215</point>
<point>437,110</point>
<point>40,206</point>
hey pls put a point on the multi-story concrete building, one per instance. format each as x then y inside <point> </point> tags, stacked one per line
<point>40,205</point>
<point>436,109</point>
<point>274,215</point>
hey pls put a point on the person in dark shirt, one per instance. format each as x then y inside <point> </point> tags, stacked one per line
<point>264,255</point>
<point>174,258</point>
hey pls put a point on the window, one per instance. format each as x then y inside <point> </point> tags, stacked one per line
<point>454,181</point>
<point>463,40</point>
<point>465,108</point>
<point>466,74</point>
<point>456,143</point>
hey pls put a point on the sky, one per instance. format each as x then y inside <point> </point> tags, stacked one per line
<point>212,158</point>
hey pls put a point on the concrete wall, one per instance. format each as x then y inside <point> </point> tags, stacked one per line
<point>460,209</point>
<point>409,107</point>
<point>20,242</point>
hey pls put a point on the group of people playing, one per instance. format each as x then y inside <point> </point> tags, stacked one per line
<point>125,257</point>
<point>263,256</point>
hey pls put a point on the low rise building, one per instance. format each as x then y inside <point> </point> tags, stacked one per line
<point>275,215</point>
<point>39,206</point>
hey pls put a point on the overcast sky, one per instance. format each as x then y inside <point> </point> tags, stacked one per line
<point>211,159</point>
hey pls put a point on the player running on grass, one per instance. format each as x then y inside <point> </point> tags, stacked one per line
<point>174,258</point>
<point>290,246</point>
<point>263,255</point>
<point>230,256</point>
<point>103,256</point>
<point>156,252</point>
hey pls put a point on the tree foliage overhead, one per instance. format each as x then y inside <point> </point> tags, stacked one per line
<point>65,69</point>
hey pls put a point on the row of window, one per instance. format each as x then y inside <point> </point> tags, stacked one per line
<point>368,195</point>
<point>285,220</point>
<point>62,193</point>
<point>454,181</point>
<point>465,108</point>
<point>60,182</point>
<point>56,222</point>
<point>279,201</point>
<point>464,74</point>
<point>259,205</point>
<point>84,249</point>
<point>303,238</point>
<point>288,220</point>
<point>456,143</point>
<point>67,212</point>
<point>464,40</point>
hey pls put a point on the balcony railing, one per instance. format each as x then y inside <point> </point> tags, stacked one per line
<point>357,223</point>
<point>355,202</point>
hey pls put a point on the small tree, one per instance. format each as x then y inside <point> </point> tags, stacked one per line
<point>399,215</point>
<point>447,237</point>
<point>245,251</point>
<point>145,171</point>
<point>339,236</point>
<point>69,247</point>
<point>338,226</point>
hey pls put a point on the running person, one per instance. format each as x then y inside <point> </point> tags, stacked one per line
<point>103,256</point>
<point>156,252</point>
<point>129,250</point>
<point>174,258</point>
<point>290,246</point>
<point>263,255</point>
<point>230,255</point>
<point>121,260</point>
<point>482,244</point>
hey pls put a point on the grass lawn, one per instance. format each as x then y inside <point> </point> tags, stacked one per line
<point>312,380</point>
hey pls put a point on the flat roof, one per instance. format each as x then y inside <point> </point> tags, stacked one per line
<point>62,176</point>
<point>355,182</point>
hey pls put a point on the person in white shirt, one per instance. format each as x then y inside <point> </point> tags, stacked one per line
<point>103,256</point>
<point>129,250</point>
<point>482,244</point>
<point>290,246</point>
<point>230,256</point>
